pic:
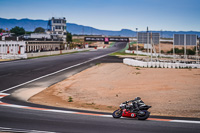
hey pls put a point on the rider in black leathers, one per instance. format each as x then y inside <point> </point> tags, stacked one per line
<point>137,102</point>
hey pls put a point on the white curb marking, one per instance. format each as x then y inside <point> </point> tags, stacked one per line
<point>2,95</point>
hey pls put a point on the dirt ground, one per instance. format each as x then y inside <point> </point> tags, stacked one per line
<point>167,47</point>
<point>5,60</point>
<point>170,92</point>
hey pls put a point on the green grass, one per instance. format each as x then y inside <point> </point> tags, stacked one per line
<point>122,53</point>
<point>131,43</point>
<point>111,44</point>
<point>97,64</point>
<point>81,41</point>
<point>57,54</point>
<point>137,73</point>
<point>78,40</point>
<point>123,50</point>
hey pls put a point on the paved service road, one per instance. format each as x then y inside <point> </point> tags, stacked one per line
<point>20,118</point>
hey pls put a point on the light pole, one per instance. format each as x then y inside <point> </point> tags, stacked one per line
<point>159,44</point>
<point>137,40</point>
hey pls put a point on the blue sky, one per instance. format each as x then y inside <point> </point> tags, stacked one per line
<point>174,15</point>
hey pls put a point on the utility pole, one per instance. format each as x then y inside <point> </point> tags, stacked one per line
<point>151,46</point>
<point>137,40</point>
<point>185,52</point>
<point>197,59</point>
<point>159,44</point>
<point>147,40</point>
<point>173,51</point>
<point>83,30</point>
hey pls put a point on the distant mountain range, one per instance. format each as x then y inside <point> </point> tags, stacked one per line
<point>30,25</point>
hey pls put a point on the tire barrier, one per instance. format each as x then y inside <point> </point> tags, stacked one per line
<point>138,63</point>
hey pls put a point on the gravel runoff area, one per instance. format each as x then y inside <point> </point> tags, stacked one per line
<point>170,92</point>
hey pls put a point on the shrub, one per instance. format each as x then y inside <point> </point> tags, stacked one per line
<point>70,99</point>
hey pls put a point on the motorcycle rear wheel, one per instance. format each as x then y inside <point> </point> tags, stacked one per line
<point>117,113</point>
<point>145,116</point>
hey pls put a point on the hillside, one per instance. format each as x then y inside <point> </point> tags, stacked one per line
<point>30,25</point>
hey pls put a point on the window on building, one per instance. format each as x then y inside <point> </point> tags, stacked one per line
<point>58,27</point>
<point>57,21</point>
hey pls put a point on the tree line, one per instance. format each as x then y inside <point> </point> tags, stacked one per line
<point>18,31</point>
<point>21,31</point>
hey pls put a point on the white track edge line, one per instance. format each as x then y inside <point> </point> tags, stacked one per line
<point>14,105</point>
<point>6,94</point>
<point>185,121</point>
<point>22,130</point>
<point>61,111</point>
<point>54,73</point>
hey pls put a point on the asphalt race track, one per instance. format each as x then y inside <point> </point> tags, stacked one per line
<point>17,115</point>
<point>73,123</point>
<point>17,72</point>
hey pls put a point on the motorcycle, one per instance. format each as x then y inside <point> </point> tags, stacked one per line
<point>126,110</point>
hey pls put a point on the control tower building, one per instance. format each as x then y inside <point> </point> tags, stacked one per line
<point>57,28</point>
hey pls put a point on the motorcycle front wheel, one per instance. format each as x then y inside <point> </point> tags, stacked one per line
<point>117,113</point>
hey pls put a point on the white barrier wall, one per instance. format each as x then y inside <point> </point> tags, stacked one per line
<point>138,63</point>
<point>12,49</point>
<point>37,54</point>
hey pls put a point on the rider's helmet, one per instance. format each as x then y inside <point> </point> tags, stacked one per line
<point>137,98</point>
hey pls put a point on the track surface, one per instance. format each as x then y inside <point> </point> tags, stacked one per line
<point>17,72</point>
<point>73,123</point>
<point>26,120</point>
